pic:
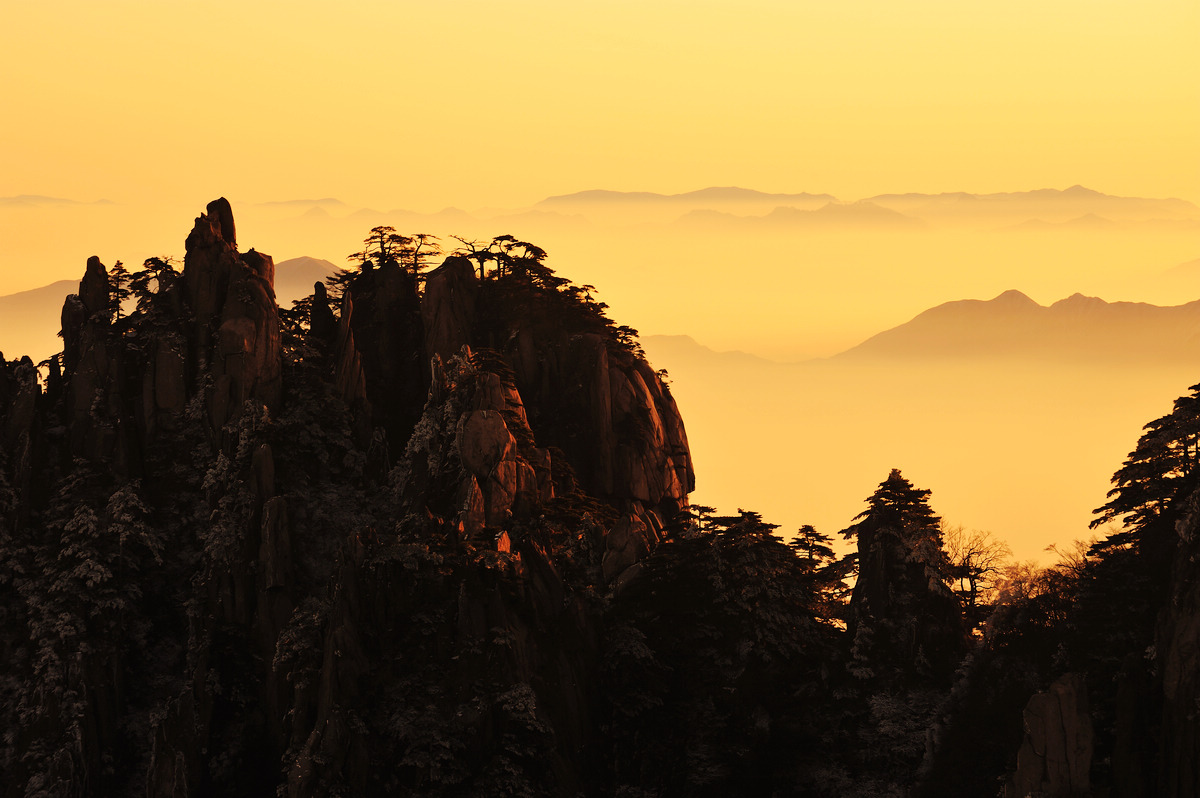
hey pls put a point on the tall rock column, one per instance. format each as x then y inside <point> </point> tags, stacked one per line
<point>236,320</point>
<point>90,366</point>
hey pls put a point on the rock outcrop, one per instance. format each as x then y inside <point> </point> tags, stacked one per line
<point>349,380</point>
<point>235,318</point>
<point>1056,757</point>
<point>448,307</point>
<point>91,366</point>
<point>389,339</point>
<point>473,458</point>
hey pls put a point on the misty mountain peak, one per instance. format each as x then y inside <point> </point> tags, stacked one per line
<point>1014,298</point>
<point>1079,301</point>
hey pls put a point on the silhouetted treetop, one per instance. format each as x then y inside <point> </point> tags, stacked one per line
<point>905,620</point>
<point>383,246</point>
<point>1164,459</point>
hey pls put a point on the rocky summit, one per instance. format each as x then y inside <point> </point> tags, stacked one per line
<point>290,531</point>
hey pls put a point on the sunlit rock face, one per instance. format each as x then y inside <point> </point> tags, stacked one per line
<point>617,426</point>
<point>473,458</point>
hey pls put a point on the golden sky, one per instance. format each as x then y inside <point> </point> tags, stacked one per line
<point>163,105</point>
<point>477,102</point>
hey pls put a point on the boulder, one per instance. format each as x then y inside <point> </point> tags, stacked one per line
<point>483,441</point>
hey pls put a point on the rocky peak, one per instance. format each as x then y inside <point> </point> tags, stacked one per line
<point>448,307</point>
<point>94,288</point>
<point>538,458</point>
<point>236,321</point>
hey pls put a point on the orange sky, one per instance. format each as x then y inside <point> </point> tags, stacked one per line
<point>475,103</point>
<point>163,105</point>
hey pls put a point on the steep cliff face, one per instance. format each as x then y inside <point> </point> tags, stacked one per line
<point>393,547</point>
<point>1177,655</point>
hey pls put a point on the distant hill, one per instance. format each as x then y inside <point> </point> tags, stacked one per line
<point>1078,205</point>
<point>649,207</point>
<point>324,202</point>
<point>713,195</point>
<point>29,320</point>
<point>37,200</point>
<point>1092,223</point>
<point>1013,326</point>
<point>1189,270</point>
<point>832,215</point>
<point>294,278</point>
<point>675,348</point>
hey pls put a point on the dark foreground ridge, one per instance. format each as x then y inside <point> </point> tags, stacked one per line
<point>427,533</point>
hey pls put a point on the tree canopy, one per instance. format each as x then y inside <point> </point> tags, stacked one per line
<point>905,621</point>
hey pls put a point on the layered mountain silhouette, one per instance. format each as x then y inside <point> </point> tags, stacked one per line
<point>712,197</point>
<point>40,201</point>
<point>1046,205</point>
<point>1042,207</point>
<point>831,216</point>
<point>1078,328</point>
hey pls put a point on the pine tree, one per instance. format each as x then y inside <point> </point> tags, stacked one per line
<point>905,621</point>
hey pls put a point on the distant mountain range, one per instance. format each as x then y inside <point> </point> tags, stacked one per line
<point>37,200</point>
<point>1013,326</point>
<point>717,195</point>
<point>1039,207</point>
<point>832,215</point>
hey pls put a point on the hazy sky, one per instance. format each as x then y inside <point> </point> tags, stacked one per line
<point>163,105</point>
<point>476,102</point>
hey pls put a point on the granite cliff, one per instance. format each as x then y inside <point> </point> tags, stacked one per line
<point>388,531</point>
